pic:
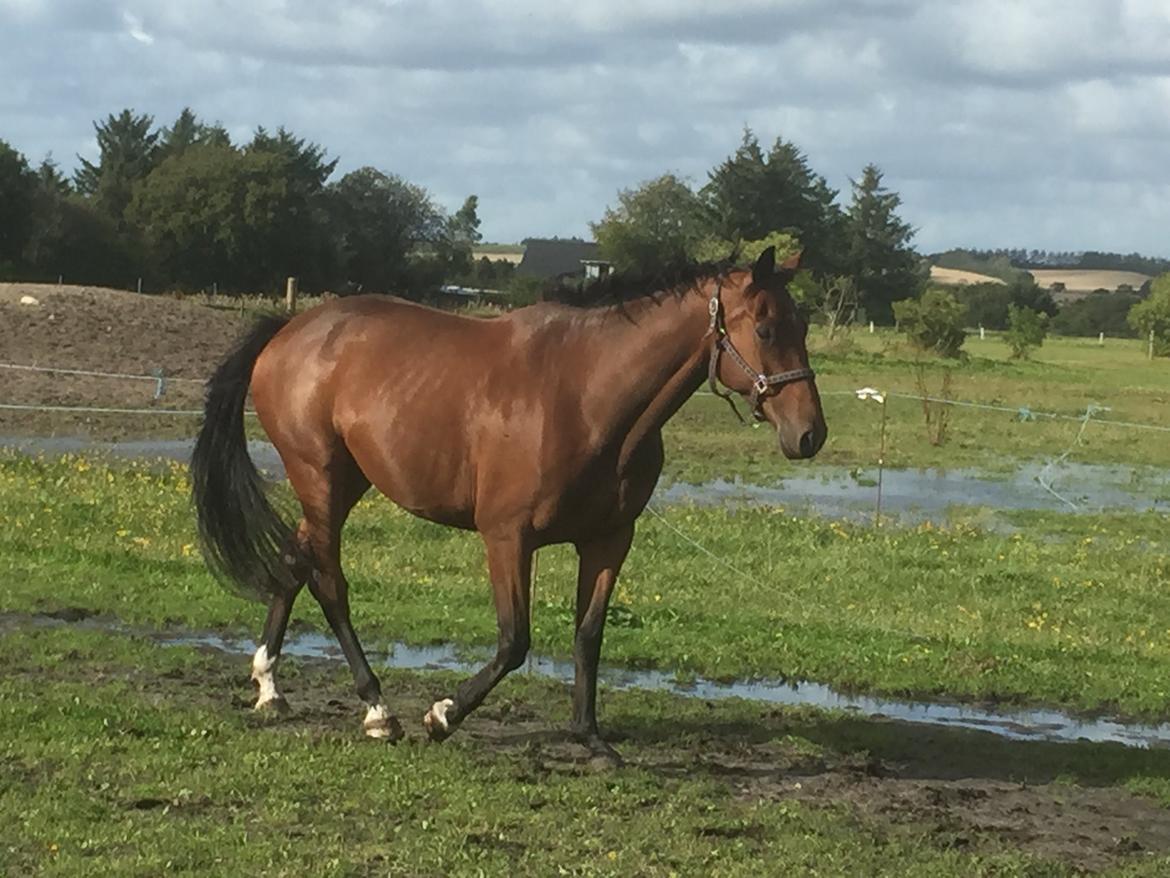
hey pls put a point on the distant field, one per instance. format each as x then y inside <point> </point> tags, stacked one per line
<point>1086,279</point>
<point>955,277</point>
<point>499,252</point>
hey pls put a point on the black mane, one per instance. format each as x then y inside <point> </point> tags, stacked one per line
<point>620,287</point>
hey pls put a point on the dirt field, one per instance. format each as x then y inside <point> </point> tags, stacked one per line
<point>954,277</point>
<point>1087,280</point>
<point>92,328</point>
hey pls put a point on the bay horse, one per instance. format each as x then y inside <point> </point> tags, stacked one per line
<point>535,427</point>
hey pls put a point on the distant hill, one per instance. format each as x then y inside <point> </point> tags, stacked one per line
<point>1086,280</point>
<point>956,277</point>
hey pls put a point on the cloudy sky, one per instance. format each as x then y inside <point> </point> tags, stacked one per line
<point>1038,123</point>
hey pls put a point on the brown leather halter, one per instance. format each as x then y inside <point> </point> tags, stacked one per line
<point>761,383</point>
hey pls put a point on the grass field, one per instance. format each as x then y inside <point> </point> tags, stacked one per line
<point>1076,615</point>
<point>123,756</point>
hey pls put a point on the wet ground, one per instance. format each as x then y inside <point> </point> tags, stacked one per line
<point>910,495</point>
<point>965,789</point>
<point>1022,724</point>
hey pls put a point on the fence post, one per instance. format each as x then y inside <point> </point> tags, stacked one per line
<point>1150,349</point>
<point>140,286</point>
<point>290,295</point>
<point>1101,340</point>
<point>981,335</point>
<point>871,327</point>
<point>877,513</point>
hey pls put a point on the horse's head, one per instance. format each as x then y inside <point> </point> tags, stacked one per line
<point>760,323</point>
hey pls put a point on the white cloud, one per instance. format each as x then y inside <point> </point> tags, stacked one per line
<point>1002,123</point>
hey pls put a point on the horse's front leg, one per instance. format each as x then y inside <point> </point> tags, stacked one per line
<point>600,562</point>
<point>510,567</point>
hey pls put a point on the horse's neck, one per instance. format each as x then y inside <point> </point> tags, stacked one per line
<point>653,356</point>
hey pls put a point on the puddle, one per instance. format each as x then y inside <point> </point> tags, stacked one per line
<point>1016,725</point>
<point>909,495</point>
<point>1037,725</point>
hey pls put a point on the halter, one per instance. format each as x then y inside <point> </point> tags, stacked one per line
<point>761,383</point>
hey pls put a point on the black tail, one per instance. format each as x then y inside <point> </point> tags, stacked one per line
<point>243,537</point>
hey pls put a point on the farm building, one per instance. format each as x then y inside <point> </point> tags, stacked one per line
<point>568,258</point>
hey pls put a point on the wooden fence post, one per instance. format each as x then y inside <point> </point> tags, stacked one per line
<point>290,295</point>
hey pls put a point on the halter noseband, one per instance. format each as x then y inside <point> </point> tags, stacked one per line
<point>761,383</point>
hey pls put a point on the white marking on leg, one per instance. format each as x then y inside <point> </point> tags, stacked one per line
<point>264,673</point>
<point>437,715</point>
<point>380,724</point>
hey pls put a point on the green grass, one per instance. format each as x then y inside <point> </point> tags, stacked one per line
<point>1068,611</point>
<point>1064,377</point>
<point>123,758</point>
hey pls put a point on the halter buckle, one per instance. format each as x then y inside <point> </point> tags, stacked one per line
<point>760,387</point>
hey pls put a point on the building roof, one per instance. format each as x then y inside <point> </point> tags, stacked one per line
<point>552,257</point>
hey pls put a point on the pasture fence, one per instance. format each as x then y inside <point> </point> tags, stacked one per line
<point>1093,412</point>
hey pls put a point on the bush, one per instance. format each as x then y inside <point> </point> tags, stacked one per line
<point>523,290</point>
<point>986,304</point>
<point>933,322</point>
<point>1153,315</point>
<point>1027,330</point>
<point>1100,312</point>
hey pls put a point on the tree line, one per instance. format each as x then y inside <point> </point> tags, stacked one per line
<point>182,206</point>
<point>859,256</point>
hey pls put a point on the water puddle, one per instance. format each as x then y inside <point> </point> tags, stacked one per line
<point>915,495</point>
<point>1016,725</point>
<point>910,495</point>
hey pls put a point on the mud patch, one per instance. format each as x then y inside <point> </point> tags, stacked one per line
<point>948,788</point>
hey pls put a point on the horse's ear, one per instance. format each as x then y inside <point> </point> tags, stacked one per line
<point>764,267</point>
<point>791,265</point>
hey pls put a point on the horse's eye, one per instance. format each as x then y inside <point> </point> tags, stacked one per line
<point>764,331</point>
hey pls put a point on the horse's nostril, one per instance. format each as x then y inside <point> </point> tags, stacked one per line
<point>808,444</point>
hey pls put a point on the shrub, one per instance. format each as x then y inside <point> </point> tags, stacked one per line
<point>1153,315</point>
<point>1100,312</point>
<point>933,322</point>
<point>1027,330</point>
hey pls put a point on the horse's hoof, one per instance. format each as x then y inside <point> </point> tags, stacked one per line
<point>380,725</point>
<point>274,706</point>
<point>435,721</point>
<point>601,755</point>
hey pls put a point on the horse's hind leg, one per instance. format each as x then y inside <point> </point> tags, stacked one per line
<point>327,495</point>
<point>510,567</point>
<point>297,561</point>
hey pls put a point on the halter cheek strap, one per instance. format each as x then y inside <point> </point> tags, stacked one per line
<point>761,383</point>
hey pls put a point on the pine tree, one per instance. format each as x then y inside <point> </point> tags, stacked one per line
<point>879,257</point>
<point>128,151</point>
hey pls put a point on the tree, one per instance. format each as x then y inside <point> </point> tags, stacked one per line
<point>385,228</point>
<point>459,239</point>
<point>1027,330</point>
<point>1100,312</point>
<point>300,243</point>
<point>1026,293</point>
<point>18,186</point>
<point>879,257</point>
<point>128,151</point>
<point>933,322</point>
<point>752,194</point>
<point>1153,315</point>
<point>213,213</point>
<point>654,225</point>
<point>986,304</point>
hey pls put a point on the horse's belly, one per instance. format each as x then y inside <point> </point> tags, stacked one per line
<point>431,480</point>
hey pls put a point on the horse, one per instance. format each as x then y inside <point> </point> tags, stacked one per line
<point>536,427</point>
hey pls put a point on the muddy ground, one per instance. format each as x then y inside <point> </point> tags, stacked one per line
<point>92,328</point>
<point>965,790</point>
